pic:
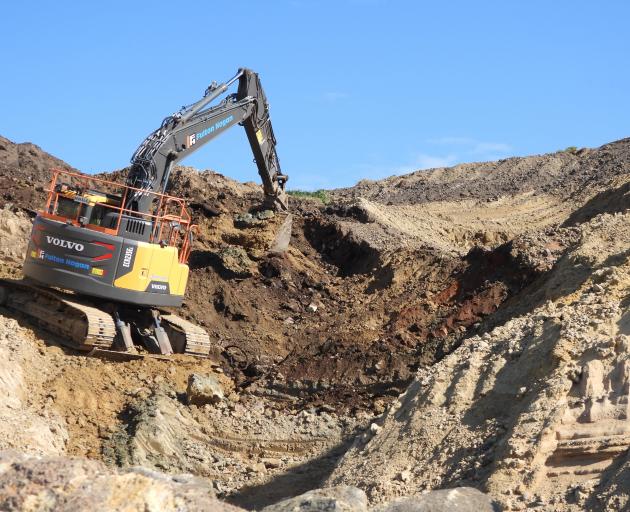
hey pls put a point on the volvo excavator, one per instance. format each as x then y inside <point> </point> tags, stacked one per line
<point>105,258</point>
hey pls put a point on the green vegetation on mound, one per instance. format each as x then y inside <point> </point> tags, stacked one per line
<point>320,195</point>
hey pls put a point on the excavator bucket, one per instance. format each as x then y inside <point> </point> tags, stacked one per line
<point>283,236</point>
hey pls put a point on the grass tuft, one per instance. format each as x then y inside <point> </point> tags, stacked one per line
<point>320,195</point>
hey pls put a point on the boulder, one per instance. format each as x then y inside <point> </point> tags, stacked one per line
<point>236,262</point>
<point>460,499</point>
<point>246,220</point>
<point>249,220</point>
<point>331,499</point>
<point>30,484</point>
<point>204,389</point>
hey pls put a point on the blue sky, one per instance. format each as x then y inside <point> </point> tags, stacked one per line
<point>358,88</point>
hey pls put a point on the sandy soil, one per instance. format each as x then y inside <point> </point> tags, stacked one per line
<point>458,226</point>
<point>532,411</point>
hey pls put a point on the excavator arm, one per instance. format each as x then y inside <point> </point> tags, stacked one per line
<point>187,130</point>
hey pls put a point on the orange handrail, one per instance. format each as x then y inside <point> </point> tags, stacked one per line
<point>179,238</point>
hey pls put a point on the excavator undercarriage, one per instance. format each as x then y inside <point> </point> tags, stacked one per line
<point>83,325</point>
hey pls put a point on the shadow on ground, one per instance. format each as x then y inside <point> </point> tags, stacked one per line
<point>295,481</point>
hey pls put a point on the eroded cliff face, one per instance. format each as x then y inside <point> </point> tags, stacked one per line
<point>535,410</point>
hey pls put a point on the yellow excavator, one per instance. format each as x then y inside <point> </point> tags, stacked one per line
<point>104,258</point>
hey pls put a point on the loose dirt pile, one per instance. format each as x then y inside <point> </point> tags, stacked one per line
<point>566,175</point>
<point>468,284</point>
<point>25,174</point>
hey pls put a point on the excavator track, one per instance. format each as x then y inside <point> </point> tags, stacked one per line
<point>83,327</point>
<point>189,338</point>
<point>79,325</point>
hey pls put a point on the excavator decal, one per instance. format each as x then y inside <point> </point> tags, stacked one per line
<point>218,125</point>
<point>59,242</point>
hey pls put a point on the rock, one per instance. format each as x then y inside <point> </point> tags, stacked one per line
<point>404,476</point>
<point>342,498</point>
<point>236,261</point>
<point>312,307</point>
<point>265,214</point>
<point>248,220</point>
<point>256,468</point>
<point>14,230</point>
<point>460,499</point>
<point>592,384</point>
<point>272,463</point>
<point>204,389</point>
<point>32,484</point>
<point>207,209</point>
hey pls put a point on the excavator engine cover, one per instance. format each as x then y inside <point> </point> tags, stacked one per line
<point>105,266</point>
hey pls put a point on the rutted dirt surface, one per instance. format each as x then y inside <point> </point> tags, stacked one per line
<point>431,299</point>
<point>457,226</point>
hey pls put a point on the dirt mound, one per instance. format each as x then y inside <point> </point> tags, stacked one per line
<point>567,175</point>
<point>25,173</point>
<point>455,227</point>
<point>486,204</point>
<point>534,411</point>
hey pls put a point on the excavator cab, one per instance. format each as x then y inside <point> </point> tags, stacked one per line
<point>89,207</point>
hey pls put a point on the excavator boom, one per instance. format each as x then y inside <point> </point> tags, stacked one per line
<point>184,132</point>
